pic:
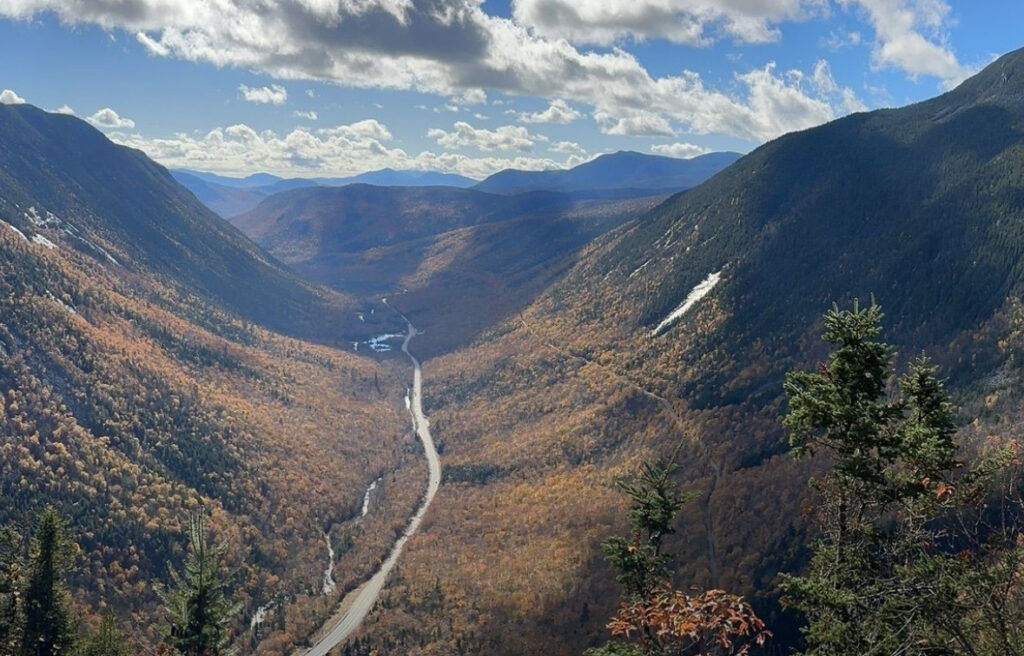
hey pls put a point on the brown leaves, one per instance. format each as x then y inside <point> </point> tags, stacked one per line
<point>697,625</point>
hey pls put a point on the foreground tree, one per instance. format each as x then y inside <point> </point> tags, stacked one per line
<point>655,619</point>
<point>197,603</point>
<point>10,592</point>
<point>910,559</point>
<point>107,640</point>
<point>49,623</point>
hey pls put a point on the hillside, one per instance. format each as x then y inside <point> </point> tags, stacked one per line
<point>629,172</point>
<point>623,357</point>
<point>143,376</point>
<point>451,252</point>
<point>93,194</point>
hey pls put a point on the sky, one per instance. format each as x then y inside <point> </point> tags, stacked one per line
<point>338,87</point>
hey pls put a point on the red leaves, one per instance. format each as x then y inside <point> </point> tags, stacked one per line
<point>695,623</point>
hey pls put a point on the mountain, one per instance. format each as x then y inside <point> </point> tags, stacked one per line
<point>153,361</point>
<point>230,197</point>
<point>624,170</point>
<point>458,252</point>
<point>680,325</point>
<point>228,200</point>
<point>248,182</point>
<point>393,178</point>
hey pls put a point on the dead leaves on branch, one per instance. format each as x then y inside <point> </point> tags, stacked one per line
<point>705,623</point>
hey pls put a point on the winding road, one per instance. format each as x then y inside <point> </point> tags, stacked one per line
<point>358,603</point>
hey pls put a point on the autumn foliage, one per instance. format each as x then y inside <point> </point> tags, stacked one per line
<point>673,622</point>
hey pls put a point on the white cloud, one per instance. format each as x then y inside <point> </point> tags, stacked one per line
<point>680,150</point>
<point>108,118</point>
<point>452,48</point>
<point>272,95</point>
<point>506,138</point>
<point>689,22</point>
<point>900,43</point>
<point>569,148</point>
<point>558,112</point>
<point>636,123</point>
<point>311,116</point>
<point>64,109</point>
<point>337,151</point>
<point>8,97</point>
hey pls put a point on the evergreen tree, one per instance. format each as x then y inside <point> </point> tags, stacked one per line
<point>107,641</point>
<point>661,620</point>
<point>900,568</point>
<point>49,622</point>
<point>197,603</point>
<point>10,591</point>
<point>638,558</point>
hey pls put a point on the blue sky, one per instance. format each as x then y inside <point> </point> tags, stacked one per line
<point>336,87</point>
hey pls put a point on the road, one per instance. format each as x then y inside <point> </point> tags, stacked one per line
<point>360,601</point>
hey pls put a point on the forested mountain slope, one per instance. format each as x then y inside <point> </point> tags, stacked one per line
<point>61,176</point>
<point>681,324</point>
<point>141,379</point>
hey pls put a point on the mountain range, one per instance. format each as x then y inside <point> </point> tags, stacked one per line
<point>616,175</point>
<point>231,196</point>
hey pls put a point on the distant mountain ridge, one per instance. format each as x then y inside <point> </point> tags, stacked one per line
<point>624,174</point>
<point>626,170</point>
<point>229,197</point>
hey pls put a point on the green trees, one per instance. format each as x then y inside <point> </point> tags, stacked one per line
<point>655,619</point>
<point>911,560</point>
<point>10,591</point>
<point>197,604</point>
<point>49,622</point>
<point>107,640</point>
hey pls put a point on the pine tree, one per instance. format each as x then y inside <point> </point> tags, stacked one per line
<point>197,603</point>
<point>11,566</point>
<point>49,622</point>
<point>654,502</point>
<point>872,582</point>
<point>107,641</point>
<point>661,620</point>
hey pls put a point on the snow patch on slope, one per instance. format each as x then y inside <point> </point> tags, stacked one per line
<point>43,241</point>
<point>700,291</point>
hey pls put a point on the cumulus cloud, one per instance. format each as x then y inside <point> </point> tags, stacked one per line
<point>8,97</point>
<point>506,138</point>
<point>680,150</point>
<point>310,116</point>
<point>454,49</point>
<point>340,150</point>
<point>637,123</point>
<point>64,109</point>
<point>900,28</point>
<point>558,112</point>
<point>275,94</point>
<point>568,148</point>
<point>109,119</point>
<point>689,22</point>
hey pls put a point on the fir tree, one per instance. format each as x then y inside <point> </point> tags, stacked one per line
<point>10,591</point>
<point>197,603</point>
<point>49,622</point>
<point>107,641</point>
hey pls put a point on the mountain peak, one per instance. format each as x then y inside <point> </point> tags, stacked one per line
<point>1001,82</point>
